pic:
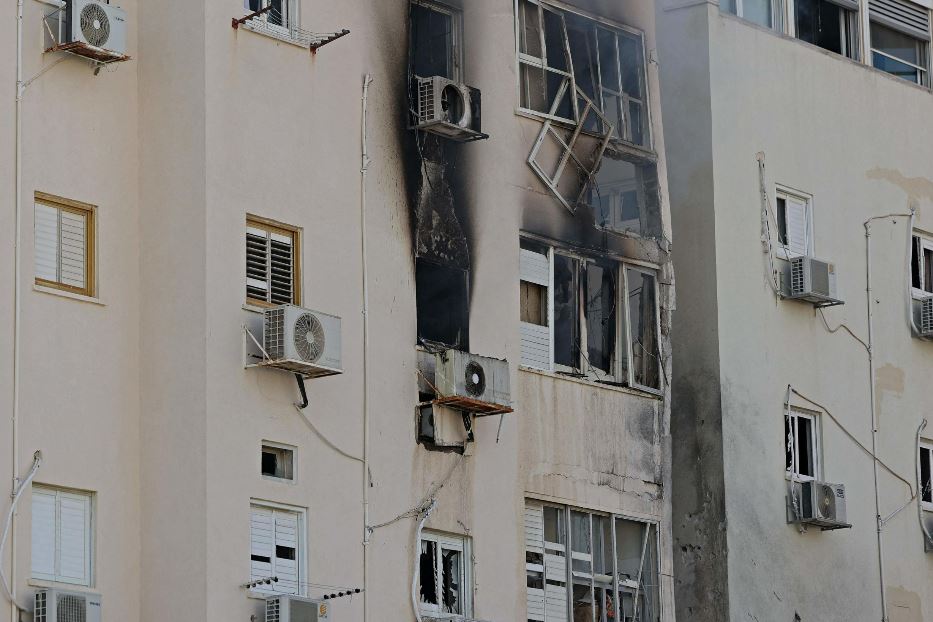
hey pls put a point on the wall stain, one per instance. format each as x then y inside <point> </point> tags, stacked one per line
<point>888,379</point>
<point>904,605</point>
<point>916,188</point>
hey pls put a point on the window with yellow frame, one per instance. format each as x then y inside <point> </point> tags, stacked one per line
<point>273,265</point>
<point>65,244</point>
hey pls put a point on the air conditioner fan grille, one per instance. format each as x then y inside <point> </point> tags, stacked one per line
<point>474,379</point>
<point>95,25</point>
<point>309,338</point>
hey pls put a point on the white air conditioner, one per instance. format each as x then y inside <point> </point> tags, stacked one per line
<point>448,109</point>
<point>97,24</point>
<point>923,316</point>
<point>295,609</point>
<point>818,503</point>
<point>301,341</point>
<point>472,383</point>
<point>812,280</point>
<point>54,605</point>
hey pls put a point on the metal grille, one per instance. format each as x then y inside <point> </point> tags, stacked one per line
<point>41,613</point>
<point>71,608</point>
<point>797,276</point>
<point>926,315</point>
<point>273,609</point>
<point>274,333</point>
<point>426,101</point>
<point>819,277</point>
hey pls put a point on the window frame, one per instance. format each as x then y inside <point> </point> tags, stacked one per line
<point>292,460</point>
<point>778,10</point>
<point>90,563</point>
<point>783,251</point>
<point>301,549</point>
<point>816,458</point>
<point>89,212</point>
<point>296,234</point>
<point>922,242</point>
<point>456,543</point>
<point>922,47</point>
<point>850,28</point>
<point>927,446</point>
<point>561,9</point>
<point>622,371</point>
<point>456,37</point>
<point>566,517</point>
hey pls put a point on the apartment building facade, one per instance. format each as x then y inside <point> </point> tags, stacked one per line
<point>798,130</point>
<point>161,205</point>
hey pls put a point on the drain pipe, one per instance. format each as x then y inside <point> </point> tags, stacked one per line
<point>871,395</point>
<point>17,294</point>
<point>364,166</point>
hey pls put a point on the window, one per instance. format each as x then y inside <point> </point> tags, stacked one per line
<point>62,535</point>
<point>277,547</point>
<point>443,304</point>
<point>794,220</point>
<point>900,35</point>
<point>273,267</point>
<point>65,234</point>
<point>624,197</point>
<point>574,318</point>
<point>436,37</point>
<point>926,486</point>
<point>830,24</point>
<point>278,461</point>
<point>761,12</point>
<point>284,13</point>
<point>562,55</point>
<point>613,570</point>
<point>444,577</point>
<point>921,266</point>
<point>802,445</point>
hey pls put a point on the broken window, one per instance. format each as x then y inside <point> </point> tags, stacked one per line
<point>442,298</point>
<point>435,41</point>
<point>278,461</point>
<point>624,196</point>
<point>900,39</point>
<point>643,320</point>
<point>921,266</point>
<point>590,330</point>
<point>801,444</point>
<point>563,55</point>
<point>614,571</point>
<point>926,486</point>
<point>442,576</point>
<point>830,24</point>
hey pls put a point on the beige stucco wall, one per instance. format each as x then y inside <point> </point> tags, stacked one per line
<point>206,125</point>
<point>855,139</point>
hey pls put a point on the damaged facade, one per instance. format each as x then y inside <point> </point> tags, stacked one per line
<point>794,129</point>
<point>484,432</point>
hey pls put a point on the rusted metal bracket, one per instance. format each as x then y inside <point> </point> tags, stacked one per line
<point>246,18</point>
<point>327,38</point>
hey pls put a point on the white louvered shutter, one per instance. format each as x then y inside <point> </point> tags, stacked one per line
<point>275,549</point>
<point>281,263</point>
<point>262,544</point>
<point>270,263</point>
<point>535,339</point>
<point>74,546</point>
<point>73,249</point>
<point>797,222</point>
<point>286,552</point>
<point>257,261</point>
<point>43,534</point>
<point>534,544</point>
<point>46,243</point>
<point>907,17</point>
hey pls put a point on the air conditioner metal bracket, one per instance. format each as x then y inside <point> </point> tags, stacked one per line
<point>299,368</point>
<point>98,56</point>
<point>477,407</point>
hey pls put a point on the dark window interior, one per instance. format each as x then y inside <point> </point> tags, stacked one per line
<point>927,488</point>
<point>601,303</point>
<point>442,295</point>
<point>427,572</point>
<point>431,42</point>
<point>566,311</point>
<point>821,23</point>
<point>782,221</point>
<point>270,464</point>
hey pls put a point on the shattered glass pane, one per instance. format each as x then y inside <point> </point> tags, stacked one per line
<point>643,329</point>
<point>566,312</point>
<point>926,488</point>
<point>630,52</point>
<point>615,196</point>
<point>529,29</point>
<point>601,306</point>
<point>585,68</point>
<point>608,60</point>
<point>558,94</point>
<point>789,444</point>
<point>431,42</point>
<point>554,41</point>
<point>428,572</point>
<point>533,96</point>
<point>451,561</point>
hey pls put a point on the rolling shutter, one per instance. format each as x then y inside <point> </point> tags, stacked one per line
<point>797,226</point>
<point>275,549</point>
<point>549,604</point>
<point>907,17</point>
<point>535,339</point>
<point>270,262</point>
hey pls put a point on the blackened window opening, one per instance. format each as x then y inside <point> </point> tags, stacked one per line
<point>427,573</point>
<point>822,23</point>
<point>270,464</point>
<point>601,297</point>
<point>926,488</point>
<point>643,329</point>
<point>442,297</point>
<point>432,42</point>
<point>566,311</point>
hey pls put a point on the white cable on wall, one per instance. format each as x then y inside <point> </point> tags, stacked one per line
<point>37,460</point>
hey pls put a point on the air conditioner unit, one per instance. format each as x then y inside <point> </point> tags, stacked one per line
<point>813,280</point>
<point>301,341</point>
<point>448,109</point>
<point>923,316</point>
<point>471,383</point>
<point>97,24</point>
<point>284,608</point>
<point>818,503</point>
<point>54,605</point>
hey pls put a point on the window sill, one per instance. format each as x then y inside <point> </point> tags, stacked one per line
<point>595,384</point>
<point>71,587</point>
<point>65,294</point>
<point>279,480</point>
<point>273,32</point>
<point>254,308</point>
